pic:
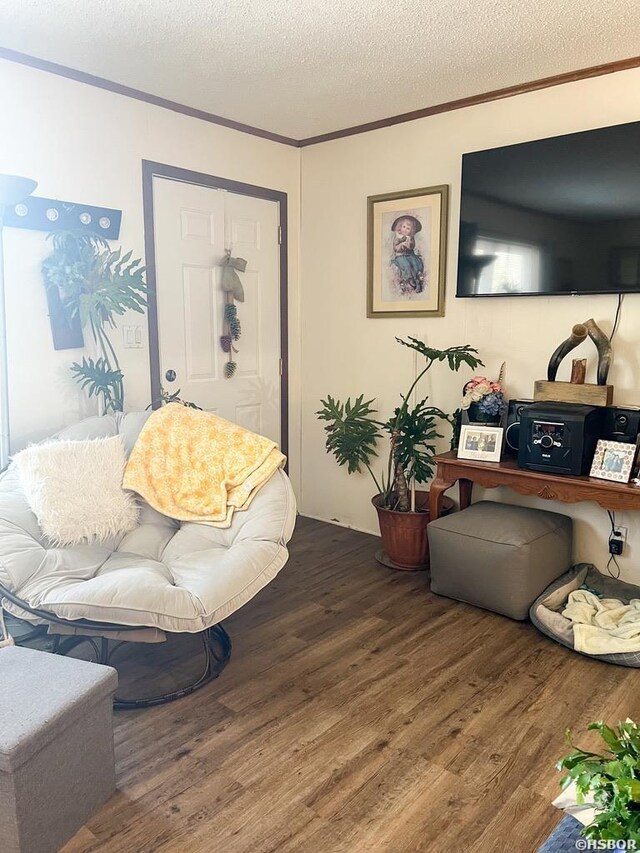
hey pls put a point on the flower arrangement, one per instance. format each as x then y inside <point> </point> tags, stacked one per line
<point>486,398</point>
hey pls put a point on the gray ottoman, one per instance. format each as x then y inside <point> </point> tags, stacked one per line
<point>56,747</point>
<point>498,556</point>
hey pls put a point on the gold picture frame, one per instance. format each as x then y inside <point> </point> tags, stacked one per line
<point>407,252</point>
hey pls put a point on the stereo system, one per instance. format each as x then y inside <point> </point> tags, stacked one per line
<point>561,437</point>
<point>620,423</point>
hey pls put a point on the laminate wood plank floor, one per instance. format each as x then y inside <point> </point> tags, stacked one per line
<point>359,714</point>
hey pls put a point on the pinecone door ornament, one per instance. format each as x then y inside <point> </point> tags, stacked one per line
<point>233,292</point>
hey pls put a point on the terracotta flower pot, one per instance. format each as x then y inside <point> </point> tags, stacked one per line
<point>404,534</point>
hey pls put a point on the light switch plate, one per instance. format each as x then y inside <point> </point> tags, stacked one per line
<point>132,337</point>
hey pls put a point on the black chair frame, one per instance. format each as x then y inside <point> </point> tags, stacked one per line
<point>215,641</point>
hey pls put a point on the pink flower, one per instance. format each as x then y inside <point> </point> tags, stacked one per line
<point>477,388</point>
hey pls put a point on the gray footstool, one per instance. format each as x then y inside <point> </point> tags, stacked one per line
<point>56,747</point>
<point>498,556</point>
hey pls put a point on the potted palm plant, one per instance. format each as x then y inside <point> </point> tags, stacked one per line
<point>353,431</point>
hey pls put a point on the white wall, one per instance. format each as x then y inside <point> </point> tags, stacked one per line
<point>344,353</point>
<point>84,144</point>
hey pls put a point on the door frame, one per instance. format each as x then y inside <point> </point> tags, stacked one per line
<point>151,170</point>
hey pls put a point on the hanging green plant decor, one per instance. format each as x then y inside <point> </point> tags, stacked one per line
<point>95,285</point>
<point>233,292</point>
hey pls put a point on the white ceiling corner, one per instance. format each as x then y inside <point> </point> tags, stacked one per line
<point>306,67</point>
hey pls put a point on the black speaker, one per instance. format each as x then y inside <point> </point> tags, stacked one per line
<point>512,431</point>
<point>621,424</point>
<point>559,438</point>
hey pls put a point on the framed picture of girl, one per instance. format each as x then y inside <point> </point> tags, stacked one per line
<point>407,241</point>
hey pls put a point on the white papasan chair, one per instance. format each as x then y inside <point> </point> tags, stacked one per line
<point>163,577</point>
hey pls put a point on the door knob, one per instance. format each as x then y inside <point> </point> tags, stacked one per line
<point>170,375</point>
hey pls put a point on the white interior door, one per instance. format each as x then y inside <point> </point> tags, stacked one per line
<point>194,225</point>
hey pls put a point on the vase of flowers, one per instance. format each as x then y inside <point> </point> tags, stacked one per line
<point>484,401</point>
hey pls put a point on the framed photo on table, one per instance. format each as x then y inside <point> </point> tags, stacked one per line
<point>613,460</point>
<point>407,242</point>
<point>483,443</point>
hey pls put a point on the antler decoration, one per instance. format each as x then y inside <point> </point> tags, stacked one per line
<point>233,292</point>
<point>578,334</point>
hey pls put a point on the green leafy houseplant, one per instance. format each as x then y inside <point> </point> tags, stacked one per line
<point>97,284</point>
<point>609,780</point>
<point>165,398</point>
<point>353,430</point>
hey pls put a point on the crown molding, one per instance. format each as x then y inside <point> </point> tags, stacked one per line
<point>474,100</point>
<point>138,95</point>
<point>436,109</point>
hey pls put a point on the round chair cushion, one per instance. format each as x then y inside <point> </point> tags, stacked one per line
<point>166,574</point>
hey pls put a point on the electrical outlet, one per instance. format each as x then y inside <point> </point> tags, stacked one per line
<point>623,533</point>
<point>616,544</point>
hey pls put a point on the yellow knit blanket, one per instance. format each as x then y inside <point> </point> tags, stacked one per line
<point>195,466</point>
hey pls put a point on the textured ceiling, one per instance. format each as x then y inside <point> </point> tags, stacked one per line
<point>305,67</point>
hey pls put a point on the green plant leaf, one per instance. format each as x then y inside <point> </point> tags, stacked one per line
<point>97,284</point>
<point>454,356</point>
<point>414,431</point>
<point>98,379</point>
<point>352,431</point>
<point>610,780</point>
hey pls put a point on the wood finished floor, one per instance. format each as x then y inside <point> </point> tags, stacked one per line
<point>359,712</point>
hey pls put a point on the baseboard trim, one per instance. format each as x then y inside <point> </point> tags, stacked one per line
<point>337,523</point>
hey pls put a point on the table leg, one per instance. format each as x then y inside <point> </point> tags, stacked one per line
<point>436,490</point>
<point>466,488</point>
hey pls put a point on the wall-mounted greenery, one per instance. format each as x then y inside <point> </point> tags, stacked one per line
<point>96,285</point>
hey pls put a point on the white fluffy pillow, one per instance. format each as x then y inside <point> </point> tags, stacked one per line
<point>75,489</point>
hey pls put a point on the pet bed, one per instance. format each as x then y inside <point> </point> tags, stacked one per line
<point>545,612</point>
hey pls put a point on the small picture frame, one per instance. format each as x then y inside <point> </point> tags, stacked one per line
<point>613,460</point>
<point>483,443</point>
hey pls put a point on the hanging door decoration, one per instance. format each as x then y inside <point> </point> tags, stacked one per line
<point>233,292</point>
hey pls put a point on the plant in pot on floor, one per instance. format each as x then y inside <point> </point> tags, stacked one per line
<point>610,781</point>
<point>353,431</point>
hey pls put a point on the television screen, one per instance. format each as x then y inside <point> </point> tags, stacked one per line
<point>554,216</point>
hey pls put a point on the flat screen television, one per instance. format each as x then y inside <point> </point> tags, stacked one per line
<point>554,216</point>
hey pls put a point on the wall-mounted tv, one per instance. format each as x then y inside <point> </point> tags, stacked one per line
<point>554,216</point>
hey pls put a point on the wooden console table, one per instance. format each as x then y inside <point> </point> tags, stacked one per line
<point>557,487</point>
